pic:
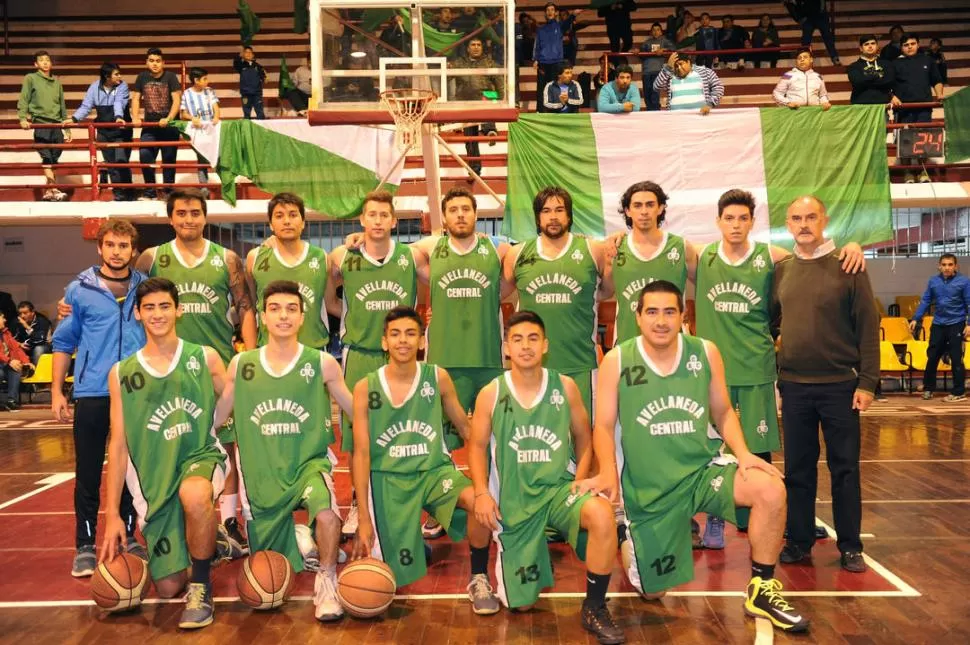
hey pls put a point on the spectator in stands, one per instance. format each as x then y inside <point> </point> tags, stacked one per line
<point>34,331</point>
<point>732,36</point>
<point>201,106</point>
<point>765,35</point>
<point>547,52</point>
<point>893,48</point>
<point>674,22</point>
<point>685,86</point>
<point>42,102</point>
<point>299,96</point>
<point>396,36</point>
<point>687,31</point>
<point>872,79</point>
<point>935,53</point>
<point>13,363</point>
<point>570,40</point>
<point>657,45</point>
<point>563,95</point>
<point>619,25</point>
<point>472,88</point>
<point>108,97</point>
<point>949,291</point>
<point>161,92</point>
<point>620,95</point>
<point>251,79</point>
<point>529,28</point>
<point>801,85</point>
<point>917,81</point>
<point>811,15</point>
<point>467,21</point>
<point>706,39</point>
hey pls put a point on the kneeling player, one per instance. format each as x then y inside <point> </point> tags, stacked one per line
<point>402,465</point>
<point>528,419</point>
<point>665,389</point>
<point>162,403</point>
<point>279,396</point>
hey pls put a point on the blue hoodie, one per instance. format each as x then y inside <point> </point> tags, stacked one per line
<point>101,330</point>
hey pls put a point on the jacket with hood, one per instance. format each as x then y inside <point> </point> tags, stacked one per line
<point>102,330</point>
<point>796,86</point>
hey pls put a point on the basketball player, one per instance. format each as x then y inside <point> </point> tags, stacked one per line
<point>402,465</point>
<point>376,277</point>
<point>164,444</point>
<point>557,276</point>
<point>280,397</point>
<point>527,419</point>
<point>666,389</point>
<point>290,258</point>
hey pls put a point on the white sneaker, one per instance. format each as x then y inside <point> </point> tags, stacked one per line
<point>58,195</point>
<point>326,607</point>
<point>431,530</point>
<point>48,196</point>
<point>308,548</point>
<point>350,524</point>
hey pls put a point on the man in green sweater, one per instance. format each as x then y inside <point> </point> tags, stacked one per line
<point>42,101</point>
<point>828,371</point>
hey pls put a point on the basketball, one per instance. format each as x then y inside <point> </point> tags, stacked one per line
<point>366,588</point>
<point>119,585</point>
<point>265,580</point>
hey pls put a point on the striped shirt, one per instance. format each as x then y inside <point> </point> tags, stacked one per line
<point>687,93</point>
<point>711,86</point>
<point>200,104</point>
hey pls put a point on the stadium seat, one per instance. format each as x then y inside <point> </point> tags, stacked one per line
<point>894,330</point>
<point>889,362</point>
<point>907,305</point>
<point>43,374</point>
<point>916,356</point>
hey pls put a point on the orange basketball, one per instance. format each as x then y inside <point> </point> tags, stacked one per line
<point>366,588</point>
<point>264,580</point>
<point>120,584</point>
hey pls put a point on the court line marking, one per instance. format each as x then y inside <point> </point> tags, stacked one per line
<point>49,472</point>
<point>47,483</point>
<point>905,589</point>
<point>891,461</point>
<point>764,632</point>
<point>904,501</point>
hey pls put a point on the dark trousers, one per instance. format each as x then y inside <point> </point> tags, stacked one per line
<point>650,95</point>
<point>803,407</point>
<point>251,103</point>
<point>148,155</point>
<point>298,100</point>
<point>544,73</point>
<point>471,147</point>
<point>621,37</point>
<point>91,424</point>
<point>37,351</point>
<point>820,22</point>
<point>117,155</point>
<point>13,383</point>
<point>945,339</point>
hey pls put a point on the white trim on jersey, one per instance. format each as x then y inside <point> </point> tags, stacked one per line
<point>140,357</point>
<point>414,386</point>
<point>302,258</point>
<point>744,258</point>
<point>264,362</point>
<point>137,496</point>
<point>181,260</point>
<point>247,510</point>
<point>653,367</point>
<point>656,254</point>
<point>539,395</point>
<point>495,490</point>
<point>377,551</point>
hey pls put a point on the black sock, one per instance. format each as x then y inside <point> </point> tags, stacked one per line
<point>764,456</point>
<point>200,571</point>
<point>596,585</point>
<point>763,571</point>
<point>479,560</point>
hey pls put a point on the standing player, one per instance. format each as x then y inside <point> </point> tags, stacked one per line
<point>377,277</point>
<point>280,397</point>
<point>661,392</point>
<point>528,419</point>
<point>402,465</point>
<point>163,443</point>
<point>292,259</point>
<point>557,276</point>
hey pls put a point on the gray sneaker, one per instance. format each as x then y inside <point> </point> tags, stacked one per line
<point>953,398</point>
<point>238,541</point>
<point>484,602</point>
<point>85,562</point>
<point>927,396</point>
<point>135,548</point>
<point>198,610</point>
<point>223,552</point>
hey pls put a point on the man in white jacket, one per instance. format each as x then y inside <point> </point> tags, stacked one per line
<point>801,85</point>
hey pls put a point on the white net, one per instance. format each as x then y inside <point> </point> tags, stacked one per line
<point>408,107</point>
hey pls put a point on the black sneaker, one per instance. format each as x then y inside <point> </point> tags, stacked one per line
<point>853,562</point>
<point>13,404</point>
<point>238,541</point>
<point>696,541</point>
<point>600,622</point>
<point>793,554</point>
<point>764,600</point>
<point>820,532</point>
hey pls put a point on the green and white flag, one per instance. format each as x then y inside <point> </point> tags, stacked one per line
<point>956,114</point>
<point>777,154</point>
<point>331,167</point>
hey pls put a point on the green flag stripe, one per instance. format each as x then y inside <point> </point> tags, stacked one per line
<point>837,155</point>
<point>558,151</point>
<point>956,114</point>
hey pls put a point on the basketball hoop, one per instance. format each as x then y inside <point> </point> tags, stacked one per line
<point>408,106</point>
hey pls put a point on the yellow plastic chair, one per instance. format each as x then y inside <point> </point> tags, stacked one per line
<point>907,305</point>
<point>894,330</point>
<point>889,363</point>
<point>916,355</point>
<point>43,374</point>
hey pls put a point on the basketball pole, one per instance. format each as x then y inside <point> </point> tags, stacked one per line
<point>429,148</point>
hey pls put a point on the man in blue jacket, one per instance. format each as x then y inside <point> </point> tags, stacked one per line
<point>620,95</point>
<point>251,79</point>
<point>950,292</point>
<point>547,52</point>
<point>102,330</point>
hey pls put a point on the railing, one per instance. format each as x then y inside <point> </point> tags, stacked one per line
<point>712,53</point>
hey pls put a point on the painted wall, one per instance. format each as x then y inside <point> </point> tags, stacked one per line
<point>104,8</point>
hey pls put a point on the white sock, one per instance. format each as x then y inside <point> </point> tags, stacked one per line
<point>227,506</point>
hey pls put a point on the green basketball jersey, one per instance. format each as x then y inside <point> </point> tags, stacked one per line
<point>632,272</point>
<point>530,446</point>
<point>407,438</point>
<point>562,290</point>
<point>733,303</point>
<point>168,419</point>
<point>465,305</point>
<point>204,295</point>
<point>283,425</point>
<point>373,288</point>
<point>665,431</point>
<point>310,272</point>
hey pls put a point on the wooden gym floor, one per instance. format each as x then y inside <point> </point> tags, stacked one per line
<point>916,517</point>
